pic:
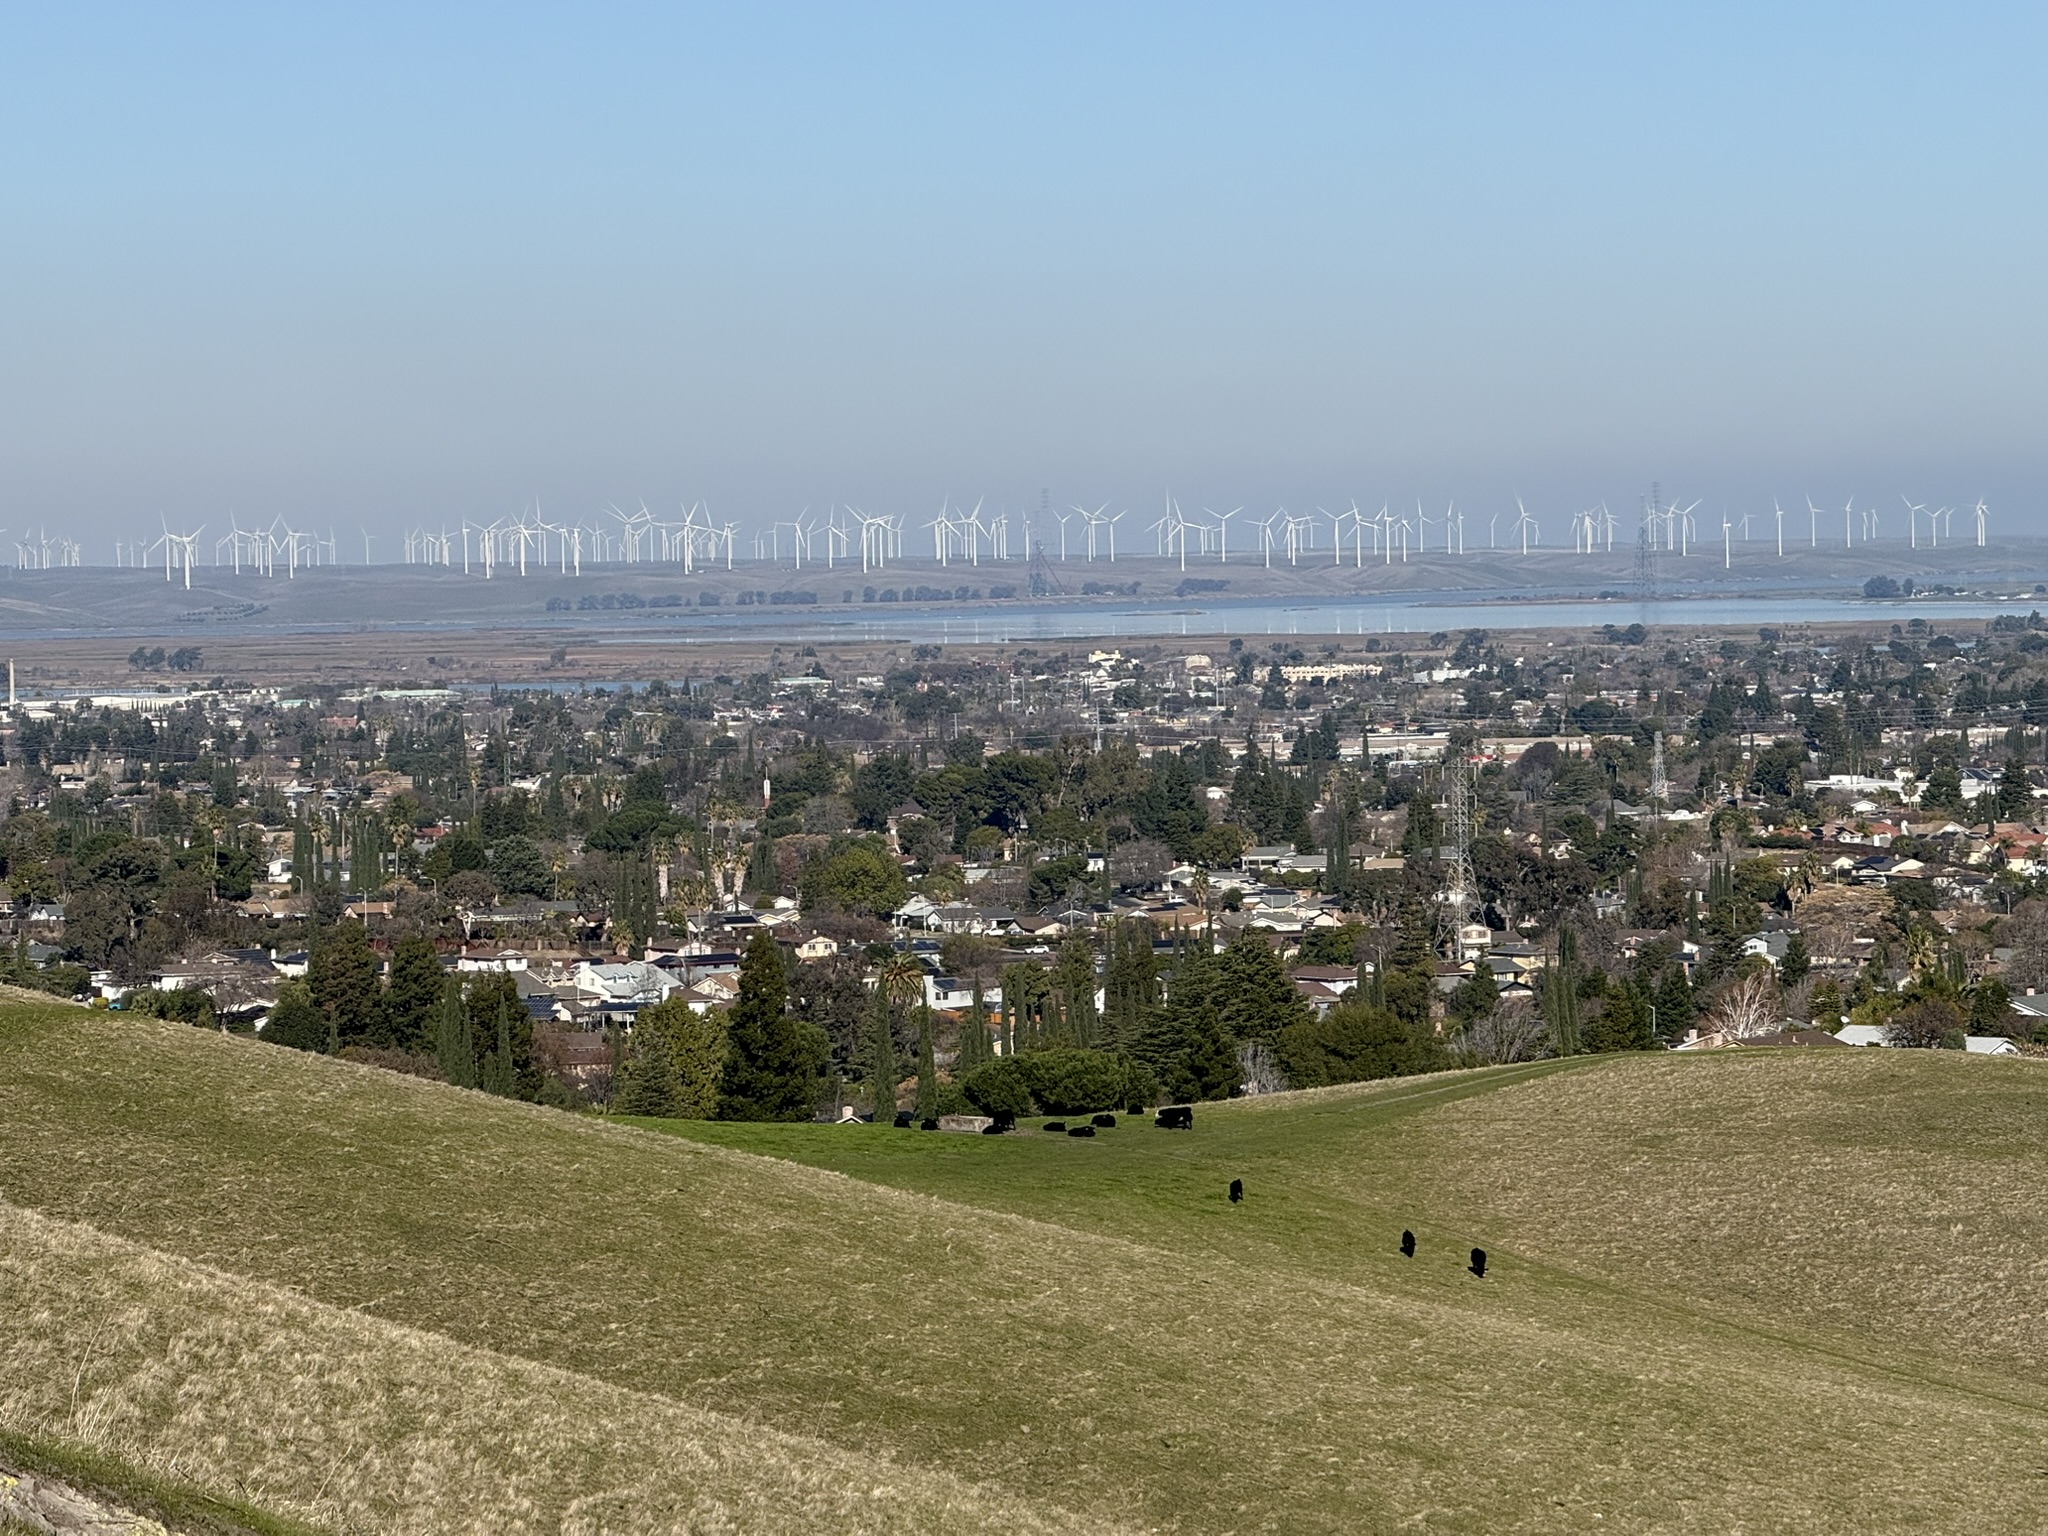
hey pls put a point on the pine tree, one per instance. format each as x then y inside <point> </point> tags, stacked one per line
<point>1674,1004</point>
<point>1254,998</point>
<point>1186,1045</point>
<point>2015,792</point>
<point>774,1060</point>
<point>1797,960</point>
<point>453,1047</point>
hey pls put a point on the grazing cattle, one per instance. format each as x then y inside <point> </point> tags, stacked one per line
<point>1479,1262</point>
<point>1082,1130</point>
<point>928,1125</point>
<point>1236,1190</point>
<point>1105,1122</point>
<point>1407,1245</point>
<point>1176,1117</point>
<point>1055,1126</point>
<point>1006,1120</point>
<point>903,1119</point>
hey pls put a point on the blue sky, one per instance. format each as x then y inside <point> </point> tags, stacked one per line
<point>370,265</point>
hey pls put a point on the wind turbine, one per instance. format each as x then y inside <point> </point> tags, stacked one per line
<point>1913,511</point>
<point>1523,523</point>
<point>1781,526</point>
<point>1978,514</point>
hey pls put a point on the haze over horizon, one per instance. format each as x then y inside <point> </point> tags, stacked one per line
<point>369,267</point>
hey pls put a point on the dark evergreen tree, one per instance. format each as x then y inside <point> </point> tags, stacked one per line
<point>1355,1042</point>
<point>342,977</point>
<point>491,999</point>
<point>974,1046</point>
<point>1074,982</point>
<point>296,1020</point>
<point>927,1068</point>
<point>2015,792</point>
<point>497,1075</point>
<point>774,1060</point>
<point>1186,1046</point>
<point>1623,1023</point>
<point>1796,962</point>
<point>882,1059</point>
<point>454,1048</point>
<point>1130,983</point>
<point>415,987</point>
<point>1561,995</point>
<point>1254,998</point>
<point>1674,1004</point>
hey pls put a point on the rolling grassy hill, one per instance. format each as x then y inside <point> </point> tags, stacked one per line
<point>1757,1291</point>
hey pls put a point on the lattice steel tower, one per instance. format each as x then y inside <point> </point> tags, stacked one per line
<point>1461,886</point>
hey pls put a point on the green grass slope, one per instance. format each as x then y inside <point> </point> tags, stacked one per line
<point>1035,1330</point>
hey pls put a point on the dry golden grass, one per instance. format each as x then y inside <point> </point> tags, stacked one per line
<point>1885,1198</point>
<point>354,1424</point>
<point>1062,1326</point>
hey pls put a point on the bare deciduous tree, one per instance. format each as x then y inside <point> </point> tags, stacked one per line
<point>1746,1008</point>
<point>1514,1031</point>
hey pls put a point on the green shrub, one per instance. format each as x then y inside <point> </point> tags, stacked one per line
<point>1075,1081</point>
<point>998,1087</point>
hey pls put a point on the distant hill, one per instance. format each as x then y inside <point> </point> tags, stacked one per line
<point>1768,1290</point>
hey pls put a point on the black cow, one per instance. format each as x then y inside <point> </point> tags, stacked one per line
<point>928,1125</point>
<point>1081,1130</point>
<point>1055,1126</point>
<point>1105,1122</point>
<point>1407,1245</point>
<point>1176,1117</point>
<point>1006,1120</point>
<point>904,1119</point>
<point>1479,1262</point>
<point>1236,1190</point>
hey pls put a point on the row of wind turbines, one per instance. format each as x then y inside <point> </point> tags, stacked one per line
<point>531,541</point>
<point>960,535</point>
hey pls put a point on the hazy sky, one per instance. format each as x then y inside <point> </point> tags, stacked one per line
<point>370,265</point>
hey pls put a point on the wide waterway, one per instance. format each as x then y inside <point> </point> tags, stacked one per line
<point>990,624</point>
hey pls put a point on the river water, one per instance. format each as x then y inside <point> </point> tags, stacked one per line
<point>1407,614</point>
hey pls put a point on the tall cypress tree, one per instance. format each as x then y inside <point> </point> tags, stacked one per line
<point>453,1048</point>
<point>973,1036</point>
<point>774,1060</point>
<point>497,1073</point>
<point>1561,995</point>
<point>927,1068</point>
<point>882,1059</point>
<point>1074,978</point>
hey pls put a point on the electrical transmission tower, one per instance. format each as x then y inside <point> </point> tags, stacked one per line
<point>1646,544</point>
<point>1660,786</point>
<point>1461,886</point>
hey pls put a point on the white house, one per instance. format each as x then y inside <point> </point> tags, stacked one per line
<point>629,983</point>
